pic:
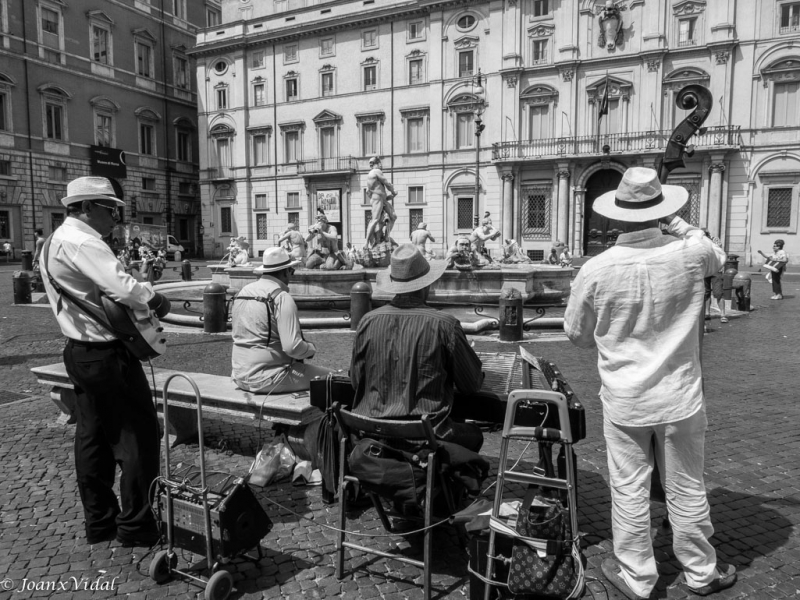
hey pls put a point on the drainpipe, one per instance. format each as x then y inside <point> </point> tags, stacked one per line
<point>275,123</point>
<point>28,117</point>
<point>170,225</point>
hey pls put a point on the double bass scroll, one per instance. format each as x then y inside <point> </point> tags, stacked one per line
<point>694,97</point>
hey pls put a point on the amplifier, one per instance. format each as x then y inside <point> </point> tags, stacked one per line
<point>238,521</point>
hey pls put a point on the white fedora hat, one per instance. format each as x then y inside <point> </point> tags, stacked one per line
<point>90,188</point>
<point>641,197</point>
<point>409,271</point>
<point>275,259</point>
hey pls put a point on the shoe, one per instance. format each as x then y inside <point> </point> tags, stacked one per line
<point>613,572</point>
<point>104,536</point>
<point>141,541</point>
<point>708,317</point>
<point>723,319</point>
<point>726,579</point>
<point>779,297</point>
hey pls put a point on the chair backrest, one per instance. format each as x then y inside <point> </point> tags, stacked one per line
<point>386,429</point>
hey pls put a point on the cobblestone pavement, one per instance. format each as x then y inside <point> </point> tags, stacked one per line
<point>752,473</point>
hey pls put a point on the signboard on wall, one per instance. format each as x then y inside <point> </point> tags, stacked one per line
<point>330,201</point>
<point>108,162</point>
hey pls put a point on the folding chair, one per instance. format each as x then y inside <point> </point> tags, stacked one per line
<point>354,428</point>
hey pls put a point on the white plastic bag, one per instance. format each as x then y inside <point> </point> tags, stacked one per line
<point>274,462</point>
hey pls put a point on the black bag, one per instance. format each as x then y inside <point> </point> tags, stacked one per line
<point>388,472</point>
<point>327,458</point>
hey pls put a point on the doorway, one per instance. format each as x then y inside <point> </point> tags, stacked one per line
<point>599,232</point>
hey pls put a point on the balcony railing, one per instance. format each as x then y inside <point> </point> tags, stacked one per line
<point>643,141</point>
<point>327,165</point>
<point>220,173</point>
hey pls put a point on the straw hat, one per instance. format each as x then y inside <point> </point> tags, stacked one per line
<point>641,197</point>
<point>409,271</point>
<point>275,259</point>
<point>90,188</point>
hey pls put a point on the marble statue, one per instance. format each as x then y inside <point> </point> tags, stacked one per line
<point>238,252</point>
<point>293,242</point>
<point>420,238</point>
<point>380,191</point>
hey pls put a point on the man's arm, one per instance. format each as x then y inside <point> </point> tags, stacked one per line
<point>291,335</point>
<point>331,234</point>
<point>467,373</point>
<point>386,183</point>
<point>681,229</point>
<point>96,260</point>
<point>580,319</point>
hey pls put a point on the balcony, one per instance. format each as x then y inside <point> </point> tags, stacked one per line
<point>720,136</point>
<point>219,173</point>
<point>328,166</point>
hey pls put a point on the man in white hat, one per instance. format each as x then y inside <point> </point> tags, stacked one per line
<point>116,418</point>
<point>268,344</point>
<point>641,304</point>
<point>408,358</point>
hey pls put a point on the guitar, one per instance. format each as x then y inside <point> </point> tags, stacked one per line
<point>144,338</point>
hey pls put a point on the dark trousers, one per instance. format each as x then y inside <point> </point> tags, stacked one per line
<point>116,425</point>
<point>776,283</point>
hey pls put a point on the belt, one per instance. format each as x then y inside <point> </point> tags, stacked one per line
<point>95,345</point>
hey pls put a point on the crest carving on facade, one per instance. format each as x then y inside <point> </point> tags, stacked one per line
<point>689,7</point>
<point>610,20</point>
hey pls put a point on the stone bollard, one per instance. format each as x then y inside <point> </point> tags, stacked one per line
<point>510,317</point>
<point>741,285</point>
<point>186,270</point>
<point>27,260</point>
<point>22,287</point>
<point>360,302</point>
<point>215,317</point>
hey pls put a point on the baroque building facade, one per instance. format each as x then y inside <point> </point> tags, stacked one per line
<point>296,95</point>
<point>104,88</point>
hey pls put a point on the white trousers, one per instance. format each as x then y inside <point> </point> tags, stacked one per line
<point>680,449</point>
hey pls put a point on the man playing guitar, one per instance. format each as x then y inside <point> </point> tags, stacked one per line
<point>116,416</point>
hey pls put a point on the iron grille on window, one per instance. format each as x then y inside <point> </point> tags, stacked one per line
<point>464,213</point>
<point>415,220</point>
<point>261,227</point>
<point>536,255</point>
<point>536,206</point>
<point>690,212</point>
<point>367,219</point>
<point>779,207</point>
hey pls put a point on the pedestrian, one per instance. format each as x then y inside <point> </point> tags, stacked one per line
<point>9,250</point>
<point>714,288</point>
<point>776,265</point>
<point>116,417</point>
<point>639,303</point>
<point>37,251</point>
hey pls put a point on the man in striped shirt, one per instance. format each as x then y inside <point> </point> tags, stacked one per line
<point>409,358</point>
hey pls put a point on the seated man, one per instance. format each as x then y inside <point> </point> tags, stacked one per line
<point>409,358</point>
<point>268,345</point>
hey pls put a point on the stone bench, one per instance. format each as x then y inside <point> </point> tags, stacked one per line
<point>219,395</point>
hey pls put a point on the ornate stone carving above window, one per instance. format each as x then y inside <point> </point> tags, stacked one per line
<point>222,131</point>
<point>787,69</point>
<point>372,117</point>
<point>292,126</point>
<point>541,30</point>
<point>466,42</point>
<point>683,77</point>
<point>539,94</point>
<point>619,88</point>
<point>464,103</point>
<point>688,7</point>
<point>260,130</point>
<point>415,112</point>
<point>327,118</point>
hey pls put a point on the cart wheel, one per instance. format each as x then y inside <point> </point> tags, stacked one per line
<point>219,586</point>
<point>161,566</point>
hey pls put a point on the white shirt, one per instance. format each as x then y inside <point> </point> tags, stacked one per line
<point>82,264</point>
<point>641,303</point>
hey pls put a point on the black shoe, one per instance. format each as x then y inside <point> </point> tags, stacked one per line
<point>103,536</point>
<point>139,541</point>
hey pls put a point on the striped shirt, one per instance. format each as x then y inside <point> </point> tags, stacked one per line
<point>407,359</point>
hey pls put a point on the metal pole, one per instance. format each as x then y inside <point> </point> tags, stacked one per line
<point>476,209</point>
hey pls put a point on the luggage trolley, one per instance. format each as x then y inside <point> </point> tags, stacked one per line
<point>221,521</point>
<point>537,399</point>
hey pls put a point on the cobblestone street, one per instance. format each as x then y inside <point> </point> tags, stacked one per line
<point>752,472</point>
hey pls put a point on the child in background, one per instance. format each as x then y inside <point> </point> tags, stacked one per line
<point>775,265</point>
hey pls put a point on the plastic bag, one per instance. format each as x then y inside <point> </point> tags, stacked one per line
<point>274,462</point>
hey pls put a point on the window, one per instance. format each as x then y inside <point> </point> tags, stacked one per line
<point>466,63</point>
<point>686,32</point>
<point>147,137</point>
<point>260,149</point>
<point>539,122</point>
<point>541,8</point>
<point>5,224</point>
<point>415,31</point>
<point>415,71</point>
<point>5,121</point>
<point>790,17</point>
<point>50,35</point>
<point>5,168</point>
<point>181,73</point>
<point>416,194</point>
<point>213,17</point>
<point>464,213</point>
<point>261,227</point>
<point>257,59</point>
<point>223,152</point>
<point>612,122</point>
<point>55,121</point>
<point>292,200</point>
<point>56,173</point>
<point>222,98</point>
<point>327,84</point>
<point>327,142</point>
<point>466,22</point>
<point>293,217</point>
<point>779,207</point>
<point>369,139</point>
<point>535,202</point>
<point>259,96</point>
<point>291,146</point>
<point>100,45</point>
<point>369,38</point>
<point>465,131</point>
<point>367,220</point>
<point>290,53</point>
<point>370,78</point>
<point>539,52</point>
<point>149,184</point>
<point>179,9</point>
<point>185,189</point>
<point>225,219</point>
<point>326,47</point>
<point>415,136</point>
<point>786,112</point>
<point>103,130</point>
<point>144,60</point>
<point>291,89</point>
<point>415,218</point>
<point>261,202</point>
<point>184,145</point>
<point>220,67</point>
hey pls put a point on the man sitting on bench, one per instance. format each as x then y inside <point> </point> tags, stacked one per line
<point>409,357</point>
<point>268,345</point>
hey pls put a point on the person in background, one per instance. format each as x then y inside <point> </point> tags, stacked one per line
<point>713,286</point>
<point>639,303</point>
<point>37,250</point>
<point>776,264</point>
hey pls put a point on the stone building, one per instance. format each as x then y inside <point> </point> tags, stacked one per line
<point>296,95</point>
<point>104,88</point>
